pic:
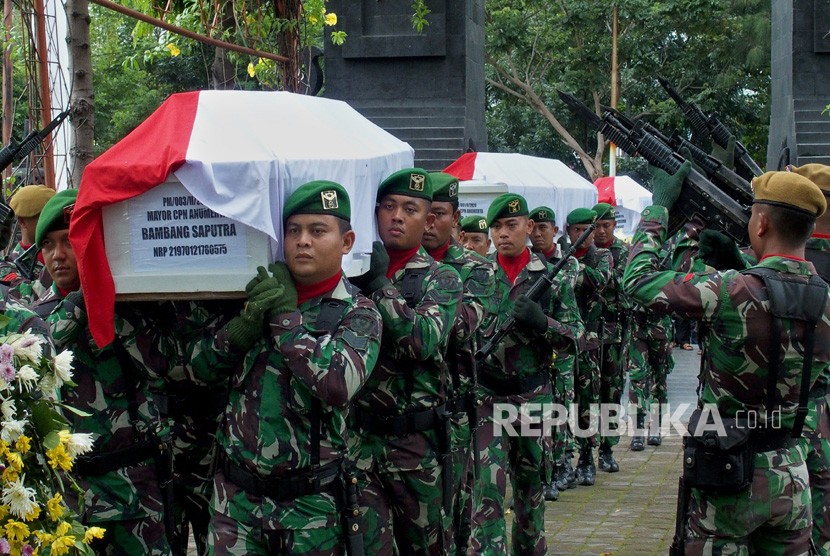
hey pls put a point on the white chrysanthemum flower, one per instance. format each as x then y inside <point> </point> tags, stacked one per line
<point>26,377</point>
<point>78,444</point>
<point>48,386</point>
<point>19,499</point>
<point>63,367</point>
<point>12,429</point>
<point>27,346</point>
<point>8,410</point>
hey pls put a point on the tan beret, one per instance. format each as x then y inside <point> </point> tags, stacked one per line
<point>819,174</point>
<point>28,201</point>
<point>791,190</point>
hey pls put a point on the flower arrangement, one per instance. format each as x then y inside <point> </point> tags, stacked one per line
<point>36,451</point>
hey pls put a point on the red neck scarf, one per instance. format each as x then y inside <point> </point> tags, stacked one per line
<point>783,256</point>
<point>606,246</point>
<point>398,259</point>
<point>439,253</point>
<point>512,266</point>
<point>309,291</point>
<point>62,291</point>
<point>579,253</point>
<point>549,254</point>
<point>818,235</point>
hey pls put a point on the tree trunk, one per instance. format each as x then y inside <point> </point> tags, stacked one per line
<point>81,98</point>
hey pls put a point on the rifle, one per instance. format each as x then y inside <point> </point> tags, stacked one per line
<point>678,543</point>
<point>699,196</point>
<point>352,517</point>
<point>711,126</point>
<point>15,150</point>
<point>27,260</point>
<point>535,292</point>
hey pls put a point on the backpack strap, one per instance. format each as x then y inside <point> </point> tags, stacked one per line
<point>411,285</point>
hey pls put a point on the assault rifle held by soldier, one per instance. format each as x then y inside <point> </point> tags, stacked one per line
<point>699,197</point>
<point>711,126</point>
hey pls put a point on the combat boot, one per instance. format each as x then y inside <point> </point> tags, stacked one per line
<point>606,460</point>
<point>655,439</point>
<point>638,441</point>
<point>551,492</point>
<point>568,474</point>
<point>586,471</point>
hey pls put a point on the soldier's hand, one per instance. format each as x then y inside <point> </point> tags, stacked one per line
<point>719,251</point>
<point>243,333</point>
<point>725,154</point>
<point>261,283</point>
<point>529,314</point>
<point>374,278</point>
<point>665,187</point>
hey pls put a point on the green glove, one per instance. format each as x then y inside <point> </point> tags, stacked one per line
<point>374,278</point>
<point>529,315</point>
<point>247,328</point>
<point>719,251</point>
<point>243,333</point>
<point>665,187</point>
<point>286,300</point>
<point>725,154</point>
<point>261,283</point>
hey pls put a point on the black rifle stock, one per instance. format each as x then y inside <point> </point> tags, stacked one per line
<point>535,293</point>
<point>14,150</point>
<point>711,126</point>
<point>699,196</point>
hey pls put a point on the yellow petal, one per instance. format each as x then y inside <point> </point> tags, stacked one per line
<point>331,19</point>
<point>251,69</point>
<point>174,50</point>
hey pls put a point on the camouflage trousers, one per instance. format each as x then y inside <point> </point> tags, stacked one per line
<point>818,467</point>
<point>463,458</point>
<point>234,538</point>
<point>563,394</point>
<point>586,394</point>
<point>772,517</point>
<point>611,382</point>
<point>405,509</point>
<point>650,363</point>
<point>133,536</point>
<point>528,460</point>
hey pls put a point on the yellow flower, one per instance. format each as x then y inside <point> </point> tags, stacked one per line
<point>251,69</point>
<point>44,537</point>
<point>93,533</point>
<point>16,531</point>
<point>57,457</point>
<point>62,528</point>
<point>331,19</point>
<point>61,545</point>
<point>313,19</point>
<point>10,475</point>
<point>55,506</point>
<point>15,461</point>
<point>174,50</point>
<point>4,511</point>
<point>23,444</point>
<point>33,515</point>
<point>4,447</point>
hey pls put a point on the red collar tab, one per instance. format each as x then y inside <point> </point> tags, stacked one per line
<point>310,291</point>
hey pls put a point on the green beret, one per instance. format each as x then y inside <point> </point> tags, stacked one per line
<point>56,213</point>
<point>791,190</point>
<point>819,174</point>
<point>319,197</point>
<point>474,224</point>
<point>543,214</point>
<point>28,201</point>
<point>604,211</point>
<point>412,182</point>
<point>444,187</point>
<point>581,216</point>
<point>507,205</point>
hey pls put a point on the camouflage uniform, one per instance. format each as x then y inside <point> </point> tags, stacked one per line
<point>773,515</point>
<point>120,486</point>
<point>615,312</point>
<point>295,377</point>
<point>650,361</point>
<point>595,268</point>
<point>28,291</point>
<point>475,311</point>
<point>403,497</point>
<point>518,372</point>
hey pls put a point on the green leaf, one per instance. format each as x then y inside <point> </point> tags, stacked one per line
<point>51,440</point>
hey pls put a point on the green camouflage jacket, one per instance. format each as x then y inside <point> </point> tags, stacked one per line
<point>616,304</point>
<point>595,273</point>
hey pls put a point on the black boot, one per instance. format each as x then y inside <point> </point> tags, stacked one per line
<point>569,474</point>
<point>586,471</point>
<point>606,460</point>
<point>551,492</point>
<point>637,441</point>
<point>654,438</point>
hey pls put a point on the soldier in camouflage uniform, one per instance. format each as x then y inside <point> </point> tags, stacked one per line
<point>475,234</point>
<point>280,484</point>
<point>475,310</point>
<point>595,267</point>
<point>518,372</point>
<point>120,487</point>
<point>615,333</point>
<point>542,242</point>
<point>773,516</point>
<point>402,426</point>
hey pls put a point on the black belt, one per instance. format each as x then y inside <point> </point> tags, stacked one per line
<point>398,425</point>
<point>106,462</point>
<point>513,386</point>
<point>283,489</point>
<point>768,440</point>
<point>198,402</point>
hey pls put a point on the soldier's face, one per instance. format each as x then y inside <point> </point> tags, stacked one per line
<point>542,236</point>
<point>314,246</point>
<point>439,232</point>
<point>60,260</point>
<point>576,230</point>
<point>402,221</point>
<point>510,235</point>
<point>480,243</point>
<point>604,232</point>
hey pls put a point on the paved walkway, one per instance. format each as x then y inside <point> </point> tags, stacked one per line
<point>632,511</point>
